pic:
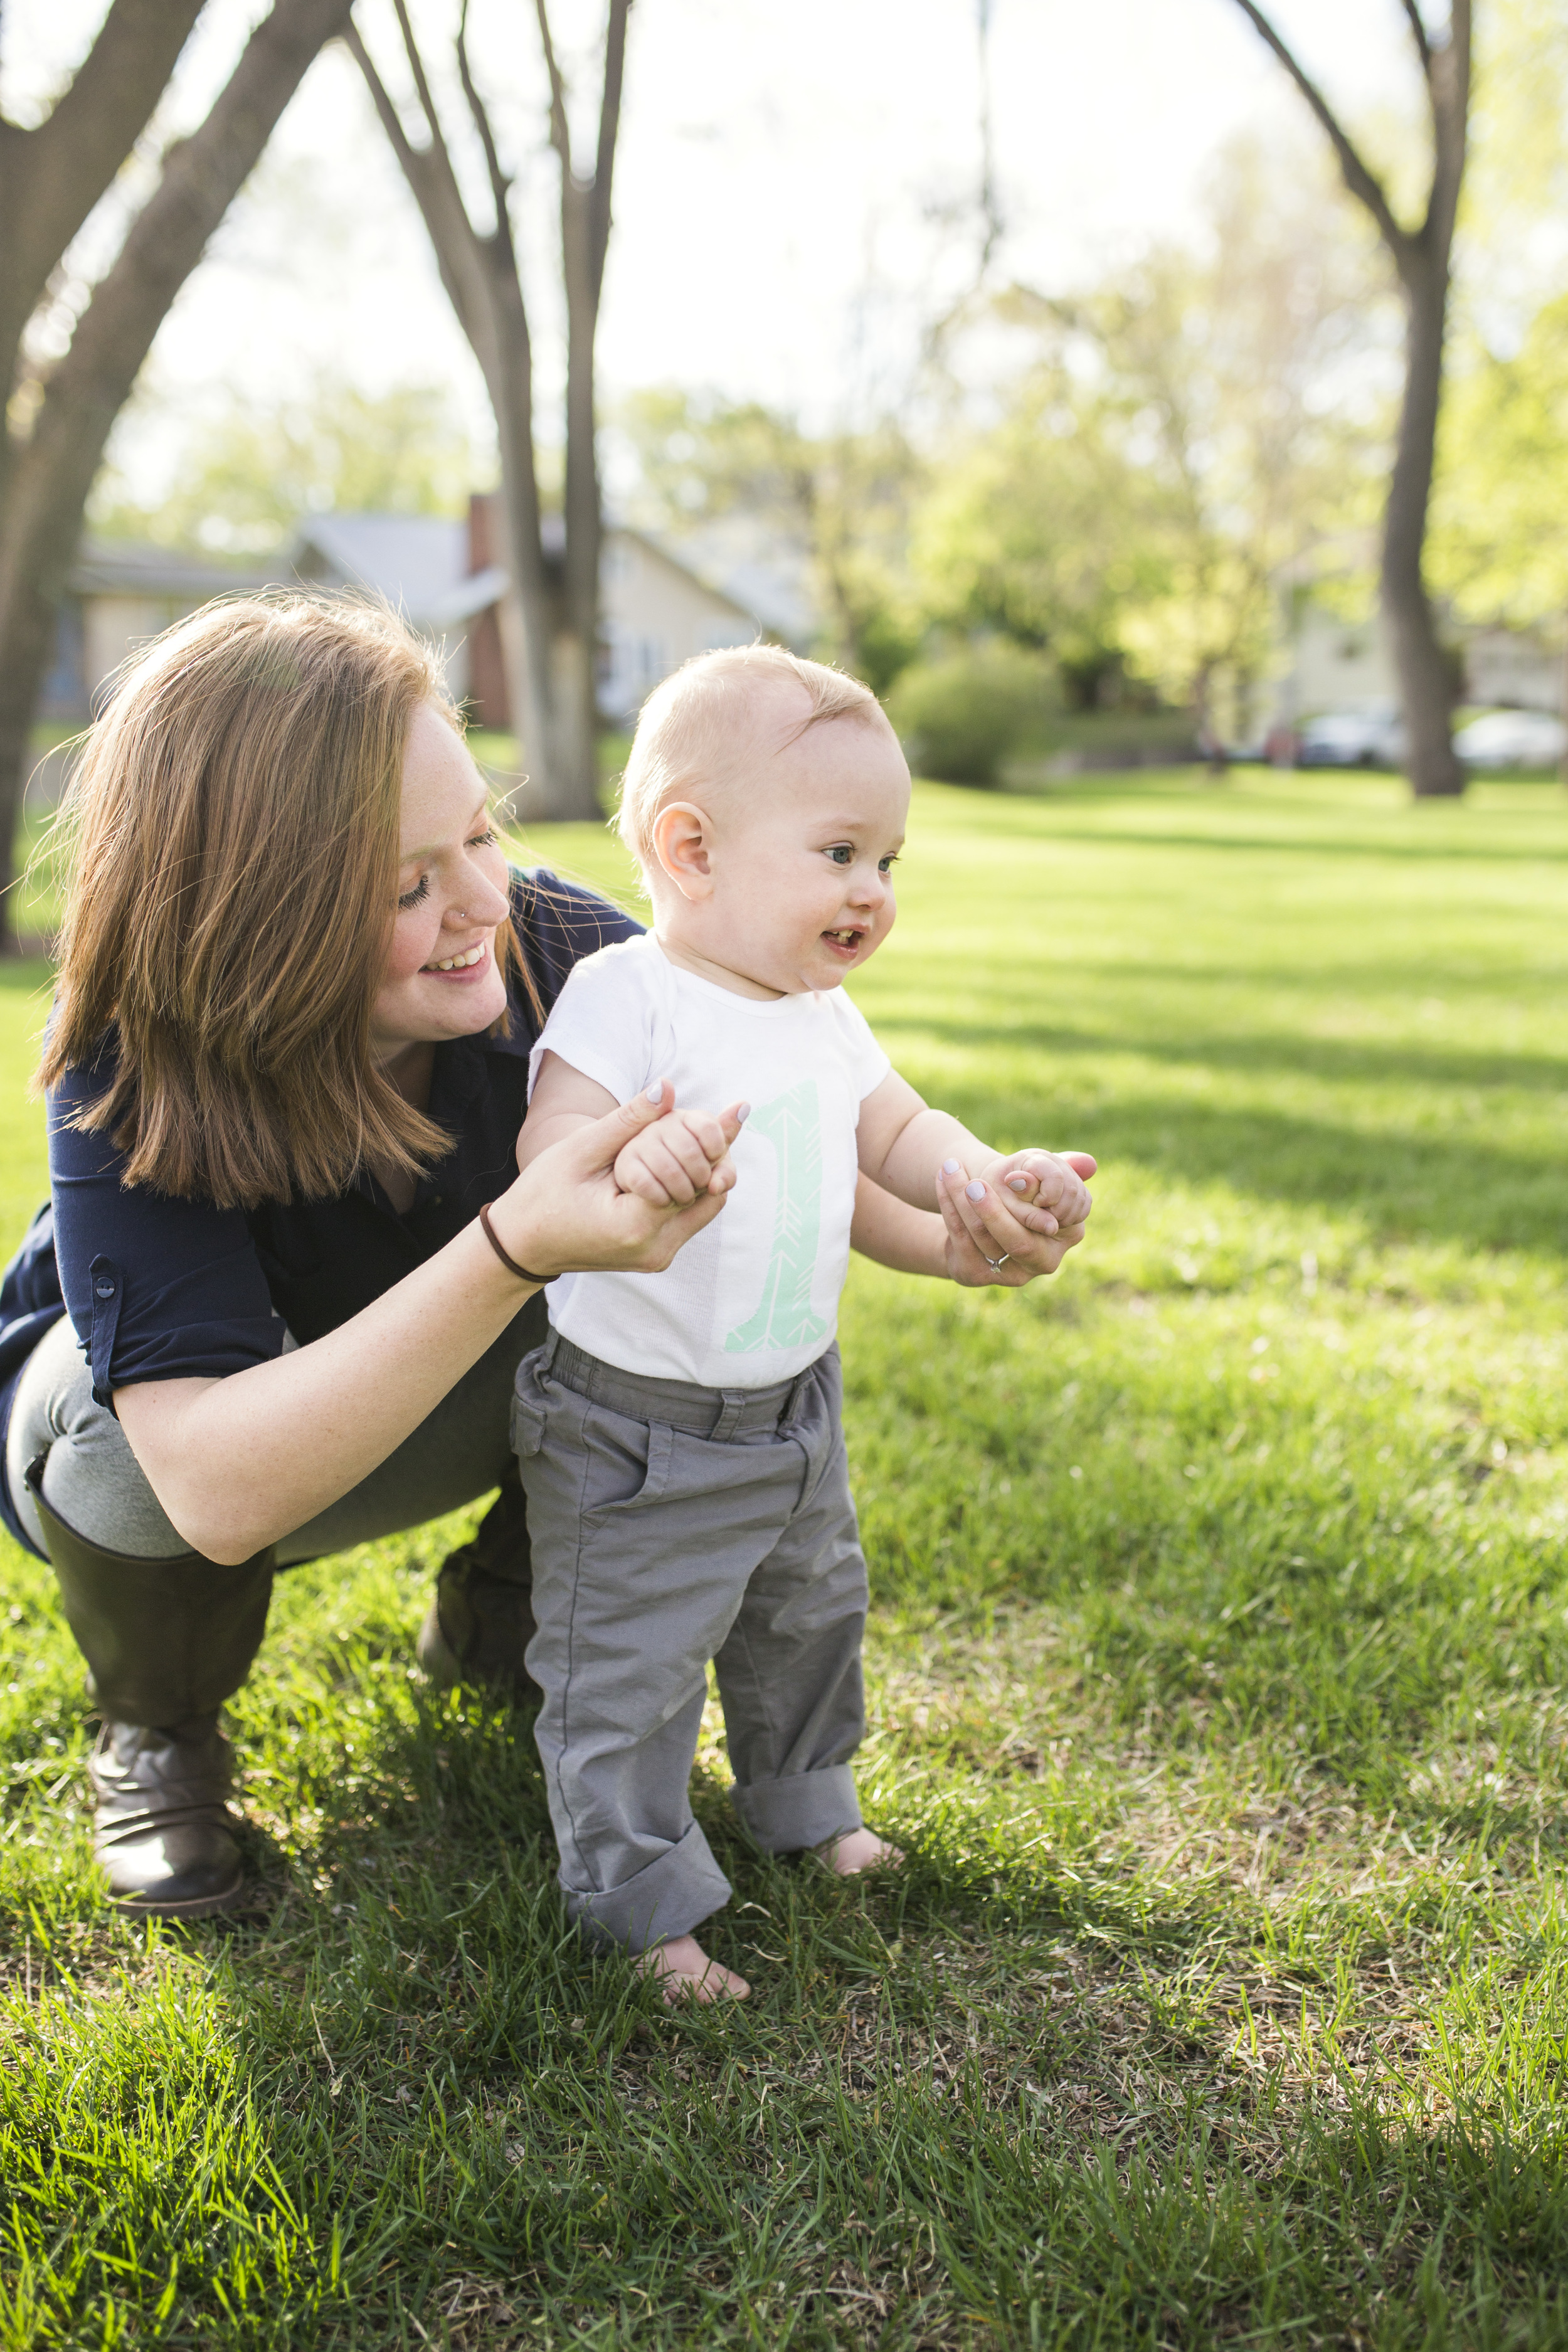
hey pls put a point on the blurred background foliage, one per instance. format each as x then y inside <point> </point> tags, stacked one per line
<point>1081,515</point>
<point>254,467</point>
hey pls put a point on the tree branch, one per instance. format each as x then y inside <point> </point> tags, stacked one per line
<point>1418,33</point>
<point>401,146</point>
<point>1450,85</point>
<point>500,186</point>
<point>609,128</point>
<point>434,185</point>
<point>1361,182</point>
<point>559,128</point>
<point>416,68</point>
<point>87,389</point>
<point>480,276</point>
<point>51,178</point>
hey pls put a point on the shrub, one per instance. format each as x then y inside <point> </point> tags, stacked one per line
<point>960,715</point>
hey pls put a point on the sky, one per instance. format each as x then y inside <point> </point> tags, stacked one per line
<point>794,188</point>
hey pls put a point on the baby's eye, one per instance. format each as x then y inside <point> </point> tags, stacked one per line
<point>842,853</point>
<point>886,864</point>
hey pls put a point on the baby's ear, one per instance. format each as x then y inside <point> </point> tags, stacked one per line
<point>683,839</point>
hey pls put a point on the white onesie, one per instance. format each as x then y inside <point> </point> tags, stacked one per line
<point>753,1299</point>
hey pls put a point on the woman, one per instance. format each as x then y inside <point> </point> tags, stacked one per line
<point>296,1265</point>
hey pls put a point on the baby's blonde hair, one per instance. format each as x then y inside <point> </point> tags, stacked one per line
<point>697,728</point>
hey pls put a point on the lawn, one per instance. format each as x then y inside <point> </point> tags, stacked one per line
<point>1217,1675</point>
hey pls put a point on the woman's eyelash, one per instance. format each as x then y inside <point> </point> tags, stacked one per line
<point>421,890</point>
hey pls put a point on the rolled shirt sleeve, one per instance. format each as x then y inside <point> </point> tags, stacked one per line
<point>156,1289</point>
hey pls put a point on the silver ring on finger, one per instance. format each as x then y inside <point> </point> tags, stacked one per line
<point>996,1264</point>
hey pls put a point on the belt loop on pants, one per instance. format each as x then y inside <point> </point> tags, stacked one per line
<point>729,1421</point>
<point>796,1401</point>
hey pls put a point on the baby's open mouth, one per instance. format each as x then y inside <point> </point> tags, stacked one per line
<point>849,938</point>
<point>458,962</point>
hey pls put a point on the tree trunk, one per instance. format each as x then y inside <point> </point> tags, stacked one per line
<point>575,723</point>
<point>555,715</point>
<point>1422,258</point>
<point>1425,686</point>
<point>575,646</point>
<point>53,471</point>
<point>52,175</point>
<point>549,624</point>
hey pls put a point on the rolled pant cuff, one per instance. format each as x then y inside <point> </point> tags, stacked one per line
<point>669,1897</point>
<point>799,1809</point>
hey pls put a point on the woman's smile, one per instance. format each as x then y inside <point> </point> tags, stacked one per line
<point>465,963</point>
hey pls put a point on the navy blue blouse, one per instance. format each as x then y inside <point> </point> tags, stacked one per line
<point>166,1289</point>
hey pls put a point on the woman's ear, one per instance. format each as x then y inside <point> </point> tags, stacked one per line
<point>683,839</point>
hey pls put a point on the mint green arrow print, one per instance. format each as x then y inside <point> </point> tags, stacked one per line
<point>784,1319</point>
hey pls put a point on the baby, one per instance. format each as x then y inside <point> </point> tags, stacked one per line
<point>678,1433</point>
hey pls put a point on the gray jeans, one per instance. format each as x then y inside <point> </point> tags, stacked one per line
<point>670,1525</point>
<point>94,1482</point>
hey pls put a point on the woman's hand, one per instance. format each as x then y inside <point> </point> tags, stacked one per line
<point>239,1462</point>
<point>994,1238</point>
<point>1048,1180</point>
<point>565,1213</point>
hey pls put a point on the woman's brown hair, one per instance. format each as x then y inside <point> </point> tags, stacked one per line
<point>235,820</point>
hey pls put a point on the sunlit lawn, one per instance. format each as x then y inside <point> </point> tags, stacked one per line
<point>1218,1678</point>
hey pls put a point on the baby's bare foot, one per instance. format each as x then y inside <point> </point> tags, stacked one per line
<point>858,1850</point>
<point>683,1971</point>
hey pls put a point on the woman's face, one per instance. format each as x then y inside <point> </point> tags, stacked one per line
<point>441,978</point>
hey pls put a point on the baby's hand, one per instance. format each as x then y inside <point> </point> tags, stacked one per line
<point>1049,1185</point>
<point>678,1159</point>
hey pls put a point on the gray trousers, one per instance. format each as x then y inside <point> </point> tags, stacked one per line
<point>94,1482</point>
<point>670,1525</point>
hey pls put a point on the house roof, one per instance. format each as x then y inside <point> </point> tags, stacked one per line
<point>416,561</point>
<point>759,571</point>
<point>705,580</point>
<point>420,565</point>
<point>122,568</point>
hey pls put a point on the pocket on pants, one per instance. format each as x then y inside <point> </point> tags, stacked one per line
<point>527,1426</point>
<point>628,1462</point>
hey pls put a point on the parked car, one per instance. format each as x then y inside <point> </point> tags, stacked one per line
<point>1373,737</point>
<point>1512,739</point>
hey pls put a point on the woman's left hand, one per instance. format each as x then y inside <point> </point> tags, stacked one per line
<point>994,1238</point>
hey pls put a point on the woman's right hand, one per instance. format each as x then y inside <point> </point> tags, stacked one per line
<point>565,1214</point>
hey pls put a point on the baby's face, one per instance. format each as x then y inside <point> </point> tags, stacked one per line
<point>802,866</point>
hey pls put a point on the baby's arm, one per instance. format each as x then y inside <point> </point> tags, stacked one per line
<point>902,1143</point>
<point>680,1156</point>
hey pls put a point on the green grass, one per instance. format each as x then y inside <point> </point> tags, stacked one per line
<point>1218,1677</point>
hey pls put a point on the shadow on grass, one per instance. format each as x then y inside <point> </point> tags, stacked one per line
<point>967,2095</point>
<point>985,2101</point>
<point>1378,849</point>
<point>1338,1062</point>
<point>1407,1187</point>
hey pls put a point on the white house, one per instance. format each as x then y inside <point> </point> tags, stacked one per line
<point>655,609</point>
<point>439,572</point>
<point>1338,665</point>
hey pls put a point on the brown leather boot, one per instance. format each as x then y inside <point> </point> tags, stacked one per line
<point>166,1641</point>
<point>482,1621</point>
<point>163,1831</point>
